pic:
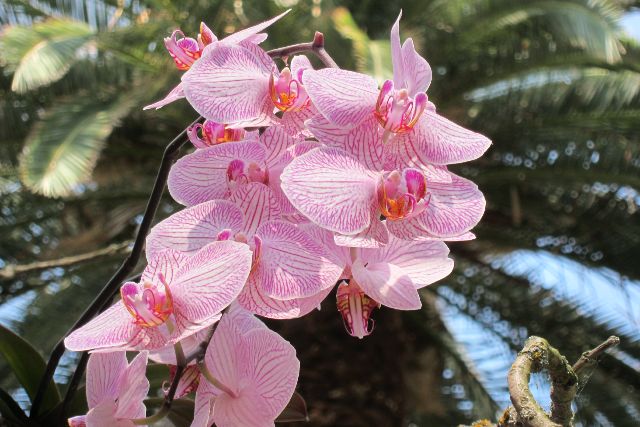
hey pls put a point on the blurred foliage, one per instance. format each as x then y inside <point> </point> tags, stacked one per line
<point>555,84</point>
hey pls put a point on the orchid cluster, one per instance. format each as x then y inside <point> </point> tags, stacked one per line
<point>301,180</point>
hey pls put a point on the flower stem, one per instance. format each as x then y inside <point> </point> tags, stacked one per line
<point>213,380</point>
<point>316,46</point>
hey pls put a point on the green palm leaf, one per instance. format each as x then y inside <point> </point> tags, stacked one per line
<point>63,148</point>
<point>43,53</point>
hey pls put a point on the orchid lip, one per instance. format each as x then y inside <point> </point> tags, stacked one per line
<point>355,307</point>
<point>402,195</point>
<point>149,304</point>
<point>396,111</point>
<point>287,93</point>
<point>211,133</point>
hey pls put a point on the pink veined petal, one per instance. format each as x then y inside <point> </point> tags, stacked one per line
<point>417,71</point>
<point>424,262</point>
<point>272,368</point>
<point>241,35</point>
<point>258,205</point>
<point>265,117</point>
<point>364,141</point>
<point>224,353</point>
<point>175,94</point>
<point>344,97</point>
<point>229,83</point>
<point>276,140</point>
<point>453,210</point>
<point>202,175</point>
<point>166,262</point>
<point>326,238</point>
<point>209,281</point>
<point>103,415</point>
<point>396,54</point>
<point>292,264</point>
<point>192,228</point>
<point>374,236</point>
<point>167,354</point>
<point>134,387</point>
<point>294,122</point>
<point>331,188</point>
<point>203,408</point>
<point>241,411</point>
<point>242,319</point>
<point>436,140</point>
<point>103,376</point>
<point>253,300</point>
<point>113,330</point>
<point>257,38</point>
<point>386,283</point>
<point>300,62</point>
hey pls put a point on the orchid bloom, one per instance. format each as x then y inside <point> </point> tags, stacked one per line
<point>335,191</point>
<point>392,127</point>
<point>390,275</point>
<point>251,374</point>
<point>217,172</point>
<point>211,133</point>
<point>187,51</point>
<point>116,390</point>
<point>177,296</point>
<point>291,271</point>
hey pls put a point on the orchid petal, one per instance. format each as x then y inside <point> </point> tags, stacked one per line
<point>103,375</point>
<point>134,387</point>
<point>241,411</point>
<point>363,141</point>
<point>453,210</point>
<point>294,122</point>
<point>417,71</point>
<point>203,405</point>
<point>344,97</point>
<point>192,228</point>
<point>374,236</point>
<point>241,35</point>
<point>167,354</point>
<point>202,175</point>
<point>292,264</point>
<point>209,281</point>
<point>298,63</point>
<point>331,188</point>
<point>255,301</point>
<point>166,262</point>
<point>276,140</point>
<point>257,203</point>
<point>436,140</point>
<point>396,54</point>
<point>175,94</point>
<point>424,262</point>
<point>386,283</point>
<point>229,83</point>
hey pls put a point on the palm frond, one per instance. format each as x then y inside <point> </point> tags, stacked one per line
<point>43,53</point>
<point>63,148</point>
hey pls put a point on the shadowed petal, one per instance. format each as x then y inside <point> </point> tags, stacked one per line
<point>436,140</point>
<point>209,281</point>
<point>202,175</point>
<point>166,262</point>
<point>192,228</point>
<point>424,262</point>
<point>344,97</point>
<point>374,236</point>
<point>103,375</point>
<point>331,188</point>
<point>363,141</point>
<point>417,71</point>
<point>229,83</point>
<point>134,387</point>
<point>396,54</point>
<point>388,284</point>
<point>453,210</point>
<point>292,264</point>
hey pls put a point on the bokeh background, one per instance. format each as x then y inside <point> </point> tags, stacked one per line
<point>555,84</point>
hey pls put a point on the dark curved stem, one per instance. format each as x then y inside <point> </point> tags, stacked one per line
<point>316,47</point>
<point>110,289</point>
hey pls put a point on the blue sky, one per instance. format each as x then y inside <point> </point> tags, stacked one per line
<point>631,23</point>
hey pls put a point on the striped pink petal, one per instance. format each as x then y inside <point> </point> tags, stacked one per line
<point>167,354</point>
<point>175,94</point>
<point>396,54</point>
<point>344,97</point>
<point>374,236</point>
<point>363,141</point>
<point>386,283</point>
<point>166,262</point>
<point>276,140</point>
<point>192,228</point>
<point>134,387</point>
<point>417,71</point>
<point>255,301</point>
<point>103,375</point>
<point>208,282</point>
<point>424,262</point>
<point>202,175</point>
<point>453,210</point>
<point>292,264</point>
<point>436,140</point>
<point>229,83</point>
<point>258,205</point>
<point>331,188</point>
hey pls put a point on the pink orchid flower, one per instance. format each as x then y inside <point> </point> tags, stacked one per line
<point>389,276</point>
<point>290,269</point>
<point>187,51</point>
<point>211,133</point>
<point>177,296</point>
<point>116,390</point>
<point>335,191</point>
<point>254,373</point>
<point>391,127</point>
<point>217,172</point>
